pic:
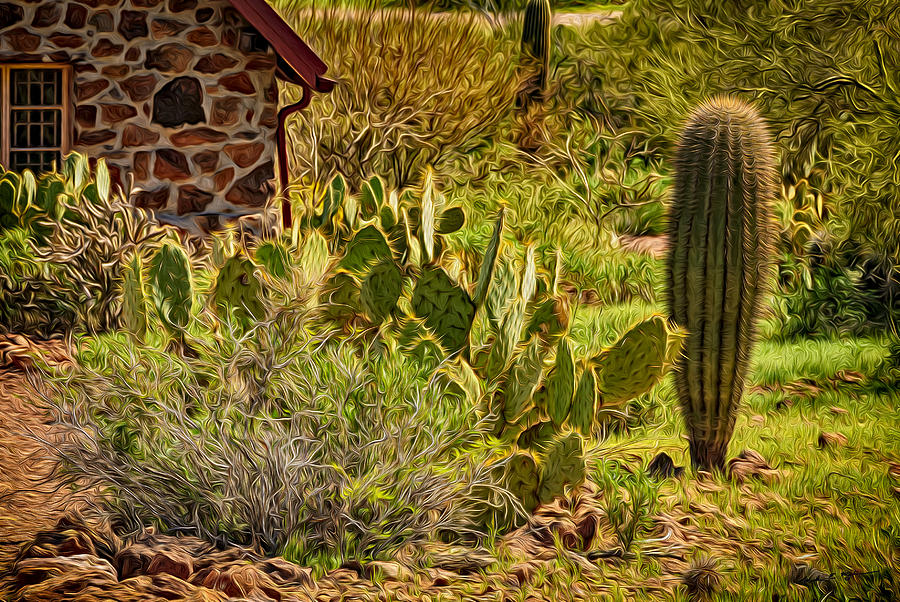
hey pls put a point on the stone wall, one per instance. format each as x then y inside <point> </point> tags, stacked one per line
<point>163,91</point>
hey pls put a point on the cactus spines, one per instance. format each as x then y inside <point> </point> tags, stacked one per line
<point>719,262</point>
<point>536,44</point>
<point>380,290</point>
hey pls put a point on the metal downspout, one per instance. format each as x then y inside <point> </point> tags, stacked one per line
<point>281,138</point>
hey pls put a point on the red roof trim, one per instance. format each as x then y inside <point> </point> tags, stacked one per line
<point>305,63</point>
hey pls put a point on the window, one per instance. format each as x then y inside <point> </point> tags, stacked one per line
<point>34,122</point>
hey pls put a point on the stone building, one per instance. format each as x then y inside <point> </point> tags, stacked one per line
<point>179,96</point>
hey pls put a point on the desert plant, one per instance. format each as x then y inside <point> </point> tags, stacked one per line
<point>721,239</point>
<point>535,49</point>
<point>171,289</point>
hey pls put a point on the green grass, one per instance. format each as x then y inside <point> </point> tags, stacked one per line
<point>835,508</point>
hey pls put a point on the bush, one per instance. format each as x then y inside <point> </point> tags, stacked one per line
<point>64,240</point>
<point>414,89</point>
<point>282,441</point>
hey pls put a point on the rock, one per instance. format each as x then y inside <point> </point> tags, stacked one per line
<point>171,562</point>
<point>192,200</point>
<point>134,559</point>
<point>176,6</point>
<point>662,466</point>
<point>76,16</point>
<point>86,115</point>
<point>179,102</point>
<point>10,14</point>
<point>168,58</point>
<point>115,71</point>
<point>95,137</point>
<point>139,87</point>
<point>207,161</point>
<point>166,28</point>
<point>254,189</point>
<point>160,587</point>
<point>245,155</point>
<point>67,40</point>
<point>750,464</point>
<point>115,113</point>
<point>171,165</point>
<point>133,54</point>
<point>141,164</point>
<point>831,440</point>
<point>204,14</point>
<point>151,199</point>
<point>102,21</point>
<point>104,48</point>
<point>283,572</point>
<point>262,63</point>
<point>225,111</point>
<point>202,36</point>
<point>135,135</point>
<point>241,580</point>
<point>52,578</point>
<point>46,15</point>
<point>215,63</point>
<point>133,24</point>
<point>268,118</point>
<point>239,82</point>
<point>197,137</point>
<point>223,178</point>
<point>22,40</point>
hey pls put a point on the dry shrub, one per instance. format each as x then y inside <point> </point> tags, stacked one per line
<point>413,89</point>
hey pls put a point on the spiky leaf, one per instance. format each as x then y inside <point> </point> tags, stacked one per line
<point>581,416</point>
<point>134,299</point>
<point>274,257</point>
<point>561,384</point>
<point>367,248</point>
<point>562,465</point>
<point>486,273</point>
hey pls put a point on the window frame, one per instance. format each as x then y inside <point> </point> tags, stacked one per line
<point>6,109</point>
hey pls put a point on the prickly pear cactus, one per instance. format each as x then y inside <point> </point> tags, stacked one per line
<point>238,291</point>
<point>170,286</point>
<point>560,384</point>
<point>486,273</point>
<point>523,479</point>
<point>523,378</point>
<point>538,437</point>
<point>502,292</point>
<point>451,220</point>
<point>314,256</point>
<point>380,290</point>
<point>635,363</point>
<point>583,410</point>
<point>446,308</point>
<point>367,248</point>
<point>274,257</point>
<point>134,299</point>
<point>720,264</point>
<point>372,198</point>
<point>562,465</point>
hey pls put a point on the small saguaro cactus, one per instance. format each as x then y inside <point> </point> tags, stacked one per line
<point>536,46</point>
<point>719,264</point>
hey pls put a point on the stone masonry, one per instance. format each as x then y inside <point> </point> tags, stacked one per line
<point>167,91</point>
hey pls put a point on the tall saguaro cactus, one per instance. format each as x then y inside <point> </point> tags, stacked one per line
<point>536,46</point>
<point>719,264</point>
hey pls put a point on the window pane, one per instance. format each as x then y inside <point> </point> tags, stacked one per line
<point>34,160</point>
<point>31,128</point>
<point>36,87</point>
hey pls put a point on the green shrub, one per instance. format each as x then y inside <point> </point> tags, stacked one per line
<point>280,440</point>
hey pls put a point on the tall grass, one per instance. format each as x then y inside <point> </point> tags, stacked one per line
<point>413,89</point>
